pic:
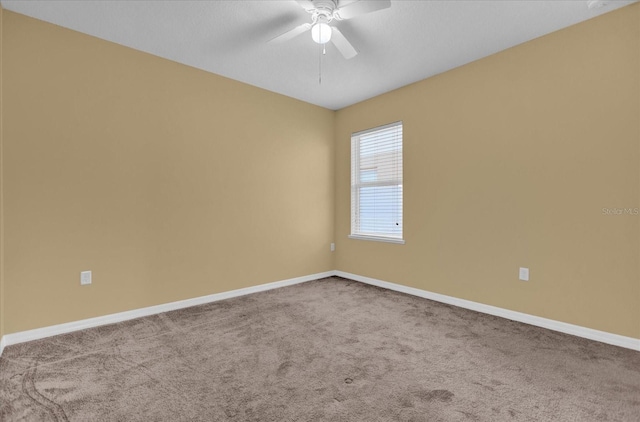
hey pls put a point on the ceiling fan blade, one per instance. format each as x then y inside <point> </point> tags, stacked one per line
<point>306,4</point>
<point>342,44</point>
<point>292,33</point>
<point>362,7</point>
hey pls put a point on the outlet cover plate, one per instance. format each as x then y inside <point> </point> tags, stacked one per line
<point>524,274</point>
<point>85,277</point>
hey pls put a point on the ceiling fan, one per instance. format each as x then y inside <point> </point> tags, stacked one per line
<point>323,12</point>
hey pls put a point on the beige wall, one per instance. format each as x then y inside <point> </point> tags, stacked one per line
<point>508,162</point>
<point>167,182</point>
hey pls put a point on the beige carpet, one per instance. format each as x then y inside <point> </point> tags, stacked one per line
<point>327,350</point>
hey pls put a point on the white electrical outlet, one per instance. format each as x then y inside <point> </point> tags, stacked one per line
<point>333,247</point>
<point>85,277</point>
<point>524,274</point>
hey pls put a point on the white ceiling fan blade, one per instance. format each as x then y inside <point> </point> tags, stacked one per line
<point>306,4</point>
<point>362,7</point>
<point>292,33</point>
<point>342,44</point>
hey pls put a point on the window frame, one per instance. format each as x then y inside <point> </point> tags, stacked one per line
<point>357,185</point>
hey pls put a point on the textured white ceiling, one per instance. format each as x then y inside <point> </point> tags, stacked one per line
<point>410,41</point>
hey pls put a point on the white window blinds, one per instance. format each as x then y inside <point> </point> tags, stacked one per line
<point>376,183</point>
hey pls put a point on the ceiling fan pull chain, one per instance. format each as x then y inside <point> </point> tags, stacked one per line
<point>320,64</point>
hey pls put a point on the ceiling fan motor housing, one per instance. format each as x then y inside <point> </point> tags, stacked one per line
<point>324,11</point>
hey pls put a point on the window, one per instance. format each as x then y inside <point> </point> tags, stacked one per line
<point>376,184</point>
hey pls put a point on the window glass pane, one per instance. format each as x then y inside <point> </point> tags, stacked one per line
<point>380,210</point>
<point>369,175</point>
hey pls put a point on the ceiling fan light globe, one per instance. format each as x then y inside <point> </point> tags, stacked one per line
<point>321,33</point>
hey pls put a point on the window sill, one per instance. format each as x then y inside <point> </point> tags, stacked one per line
<point>377,239</point>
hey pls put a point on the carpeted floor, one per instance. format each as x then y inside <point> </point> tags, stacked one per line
<point>326,350</point>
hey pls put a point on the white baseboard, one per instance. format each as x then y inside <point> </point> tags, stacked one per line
<point>576,330</point>
<point>563,327</point>
<point>39,333</point>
